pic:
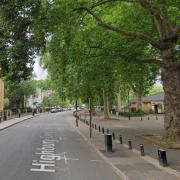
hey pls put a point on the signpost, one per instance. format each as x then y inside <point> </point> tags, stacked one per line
<point>90,110</point>
<point>76,114</point>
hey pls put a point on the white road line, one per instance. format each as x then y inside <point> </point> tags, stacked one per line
<point>96,161</point>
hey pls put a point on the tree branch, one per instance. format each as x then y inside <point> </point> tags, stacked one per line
<point>152,61</point>
<point>108,26</point>
<point>102,2</point>
<point>148,6</point>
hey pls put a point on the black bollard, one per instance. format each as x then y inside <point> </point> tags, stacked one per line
<point>142,149</point>
<point>103,130</point>
<point>162,157</point>
<point>148,117</point>
<point>130,143</point>
<point>108,142</point>
<point>92,125</point>
<point>107,131</point>
<point>95,126</point>
<point>156,117</point>
<point>99,129</point>
<point>113,135</point>
<point>120,139</point>
<point>76,122</point>
<point>141,118</point>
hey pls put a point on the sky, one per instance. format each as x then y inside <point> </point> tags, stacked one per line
<point>39,71</point>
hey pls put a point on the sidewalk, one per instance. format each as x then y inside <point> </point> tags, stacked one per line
<point>129,162</point>
<point>8,123</point>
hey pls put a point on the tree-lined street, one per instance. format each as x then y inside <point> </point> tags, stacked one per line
<point>113,59</point>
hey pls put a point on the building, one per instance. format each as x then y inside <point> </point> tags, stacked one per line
<point>150,104</point>
<point>37,99</point>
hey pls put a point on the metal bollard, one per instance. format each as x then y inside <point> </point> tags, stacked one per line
<point>108,142</point>
<point>130,143</point>
<point>162,157</point>
<point>107,131</point>
<point>76,122</point>
<point>142,149</point>
<point>141,118</point>
<point>92,125</point>
<point>99,129</point>
<point>156,117</point>
<point>148,117</point>
<point>95,126</point>
<point>120,139</point>
<point>103,130</point>
<point>113,135</point>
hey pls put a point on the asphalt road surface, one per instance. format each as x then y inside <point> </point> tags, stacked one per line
<point>47,147</point>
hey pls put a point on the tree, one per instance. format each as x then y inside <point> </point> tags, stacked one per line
<point>17,44</point>
<point>162,16</point>
<point>17,92</point>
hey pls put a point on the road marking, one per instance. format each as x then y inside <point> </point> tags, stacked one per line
<point>100,161</point>
<point>47,156</point>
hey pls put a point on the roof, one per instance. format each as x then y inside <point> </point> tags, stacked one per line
<point>158,97</point>
<point>154,97</point>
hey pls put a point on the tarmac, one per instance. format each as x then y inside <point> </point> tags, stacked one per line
<point>130,162</point>
<point>127,163</point>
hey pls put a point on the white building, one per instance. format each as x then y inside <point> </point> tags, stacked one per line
<point>34,101</point>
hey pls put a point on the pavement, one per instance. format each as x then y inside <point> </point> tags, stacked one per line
<point>11,122</point>
<point>130,129</point>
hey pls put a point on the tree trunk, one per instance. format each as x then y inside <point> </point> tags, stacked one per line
<point>118,101</point>
<point>106,105</point>
<point>171,84</point>
<point>139,102</point>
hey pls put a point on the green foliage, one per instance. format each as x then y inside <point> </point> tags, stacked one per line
<point>17,44</point>
<point>6,103</point>
<point>16,92</point>
<point>155,89</point>
<point>55,100</point>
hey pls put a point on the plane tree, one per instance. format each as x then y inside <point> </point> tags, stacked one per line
<point>162,18</point>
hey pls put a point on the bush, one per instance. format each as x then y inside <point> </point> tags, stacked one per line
<point>133,114</point>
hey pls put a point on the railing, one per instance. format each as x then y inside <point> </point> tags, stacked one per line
<point>17,113</point>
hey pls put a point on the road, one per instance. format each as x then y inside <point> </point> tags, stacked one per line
<point>47,147</point>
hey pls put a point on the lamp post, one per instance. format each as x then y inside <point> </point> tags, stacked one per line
<point>90,110</point>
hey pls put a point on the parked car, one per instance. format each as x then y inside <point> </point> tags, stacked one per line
<point>54,110</point>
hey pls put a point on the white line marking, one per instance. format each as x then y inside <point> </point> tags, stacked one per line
<point>96,161</point>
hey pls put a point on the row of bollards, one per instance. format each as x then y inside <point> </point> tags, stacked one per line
<point>109,137</point>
